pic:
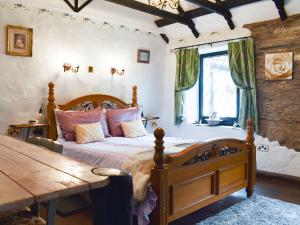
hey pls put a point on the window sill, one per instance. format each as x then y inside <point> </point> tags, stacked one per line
<point>217,126</point>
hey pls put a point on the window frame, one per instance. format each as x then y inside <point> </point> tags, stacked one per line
<point>227,121</point>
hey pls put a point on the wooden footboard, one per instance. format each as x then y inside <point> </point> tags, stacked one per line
<point>201,174</point>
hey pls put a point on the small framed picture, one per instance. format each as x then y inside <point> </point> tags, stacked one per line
<point>19,41</point>
<point>143,56</point>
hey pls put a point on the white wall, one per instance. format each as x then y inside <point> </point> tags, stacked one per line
<point>58,40</point>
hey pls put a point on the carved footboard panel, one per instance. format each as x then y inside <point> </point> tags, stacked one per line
<point>200,175</point>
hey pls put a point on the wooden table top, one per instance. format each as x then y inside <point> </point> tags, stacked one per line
<point>27,125</point>
<point>30,173</point>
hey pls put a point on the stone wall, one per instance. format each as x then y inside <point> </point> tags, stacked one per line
<point>279,101</point>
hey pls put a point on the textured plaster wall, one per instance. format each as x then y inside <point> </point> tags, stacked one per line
<point>58,40</point>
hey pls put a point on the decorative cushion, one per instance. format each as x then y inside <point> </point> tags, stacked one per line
<point>133,129</point>
<point>68,119</point>
<point>87,133</point>
<point>116,116</point>
<point>19,217</point>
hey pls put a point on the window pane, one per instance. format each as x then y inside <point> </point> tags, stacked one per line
<point>219,91</point>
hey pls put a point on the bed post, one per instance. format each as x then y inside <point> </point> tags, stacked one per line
<point>134,96</point>
<point>159,181</point>
<point>252,157</point>
<point>52,132</point>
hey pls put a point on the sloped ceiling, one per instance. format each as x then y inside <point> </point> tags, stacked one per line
<point>255,12</point>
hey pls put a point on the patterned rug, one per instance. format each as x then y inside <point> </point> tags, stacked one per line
<point>257,210</point>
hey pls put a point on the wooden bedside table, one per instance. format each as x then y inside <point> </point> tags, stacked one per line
<point>146,119</point>
<point>15,129</point>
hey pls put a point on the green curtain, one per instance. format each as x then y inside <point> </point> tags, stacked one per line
<point>187,71</point>
<point>242,67</point>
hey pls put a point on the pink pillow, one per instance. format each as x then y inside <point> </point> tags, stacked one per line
<point>68,119</point>
<point>116,116</point>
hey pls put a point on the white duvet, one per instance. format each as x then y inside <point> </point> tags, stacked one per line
<point>114,151</point>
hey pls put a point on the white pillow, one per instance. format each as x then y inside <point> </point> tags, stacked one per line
<point>133,129</point>
<point>87,133</point>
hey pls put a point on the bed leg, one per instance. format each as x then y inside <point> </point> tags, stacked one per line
<point>250,191</point>
<point>159,181</point>
<point>251,158</point>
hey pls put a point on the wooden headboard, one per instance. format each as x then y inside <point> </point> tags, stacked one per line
<point>96,100</point>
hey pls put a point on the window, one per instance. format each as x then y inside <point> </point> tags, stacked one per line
<point>217,92</point>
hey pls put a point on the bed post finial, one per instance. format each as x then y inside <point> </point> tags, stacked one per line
<point>252,157</point>
<point>134,96</point>
<point>159,134</point>
<point>52,132</point>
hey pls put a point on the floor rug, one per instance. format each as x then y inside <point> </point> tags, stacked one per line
<point>257,210</point>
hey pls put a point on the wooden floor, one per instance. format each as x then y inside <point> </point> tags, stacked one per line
<point>283,189</point>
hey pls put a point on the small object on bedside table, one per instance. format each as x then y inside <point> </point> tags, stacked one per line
<point>145,119</point>
<point>15,129</point>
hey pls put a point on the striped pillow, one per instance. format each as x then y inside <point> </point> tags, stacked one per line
<point>87,133</point>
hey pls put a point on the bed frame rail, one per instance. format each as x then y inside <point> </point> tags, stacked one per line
<point>201,174</point>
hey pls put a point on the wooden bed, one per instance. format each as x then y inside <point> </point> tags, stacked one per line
<point>192,179</point>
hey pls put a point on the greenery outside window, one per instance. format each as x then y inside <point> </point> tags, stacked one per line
<point>217,90</point>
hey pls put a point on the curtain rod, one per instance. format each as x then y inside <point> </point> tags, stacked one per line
<point>210,43</point>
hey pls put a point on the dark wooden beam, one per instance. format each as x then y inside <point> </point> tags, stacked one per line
<point>281,10</point>
<point>165,38</point>
<point>194,13</point>
<point>192,25</point>
<point>216,8</point>
<point>70,5</point>
<point>151,10</point>
<point>76,7</point>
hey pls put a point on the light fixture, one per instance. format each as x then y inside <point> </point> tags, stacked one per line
<point>114,71</point>
<point>68,67</point>
<point>163,3</point>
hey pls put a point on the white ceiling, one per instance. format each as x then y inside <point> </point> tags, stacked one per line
<point>255,12</point>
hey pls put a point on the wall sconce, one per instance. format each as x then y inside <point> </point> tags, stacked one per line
<point>68,67</point>
<point>116,71</point>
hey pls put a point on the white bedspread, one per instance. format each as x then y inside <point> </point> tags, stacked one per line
<point>114,151</point>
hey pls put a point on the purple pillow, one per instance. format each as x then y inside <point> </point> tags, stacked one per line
<point>68,119</point>
<point>116,116</point>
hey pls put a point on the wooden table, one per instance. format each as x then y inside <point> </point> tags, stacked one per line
<point>30,174</point>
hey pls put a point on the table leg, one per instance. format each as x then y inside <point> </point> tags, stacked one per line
<point>51,212</point>
<point>28,132</point>
<point>35,209</point>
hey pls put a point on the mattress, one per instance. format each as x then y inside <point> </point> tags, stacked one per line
<point>114,151</point>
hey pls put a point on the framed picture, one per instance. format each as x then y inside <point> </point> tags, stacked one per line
<point>19,41</point>
<point>143,56</point>
<point>279,66</point>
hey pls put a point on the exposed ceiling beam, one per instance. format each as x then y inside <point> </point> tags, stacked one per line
<point>281,10</point>
<point>76,7</point>
<point>165,38</point>
<point>216,8</point>
<point>151,10</point>
<point>194,13</point>
<point>192,25</point>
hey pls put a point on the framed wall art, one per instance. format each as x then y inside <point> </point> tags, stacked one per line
<point>19,41</point>
<point>279,66</point>
<point>143,56</point>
